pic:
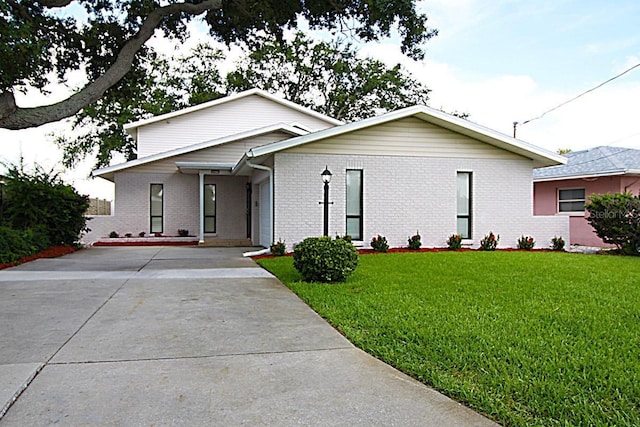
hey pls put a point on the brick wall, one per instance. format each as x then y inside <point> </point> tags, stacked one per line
<point>405,194</point>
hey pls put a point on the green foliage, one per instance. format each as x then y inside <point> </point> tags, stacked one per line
<point>321,259</point>
<point>41,201</point>
<point>414,241</point>
<point>557,243</point>
<point>43,42</point>
<point>454,242</point>
<point>526,242</point>
<point>379,243</point>
<point>616,220</point>
<point>546,339</point>
<point>489,242</point>
<point>345,237</point>
<point>279,248</point>
<point>326,77</point>
<point>13,245</point>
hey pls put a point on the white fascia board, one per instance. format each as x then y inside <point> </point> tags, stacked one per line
<point>204,165</point>
<point>436,117</point>
<point>130,127</point>
<point>284,127</point>
<point>591,175</point>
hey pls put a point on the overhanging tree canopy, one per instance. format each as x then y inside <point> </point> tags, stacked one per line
<point>41,42</point>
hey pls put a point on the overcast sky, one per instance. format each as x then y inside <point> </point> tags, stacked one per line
<point>500,61</point>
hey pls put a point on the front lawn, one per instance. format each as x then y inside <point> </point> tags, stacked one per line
<point>527,338</point>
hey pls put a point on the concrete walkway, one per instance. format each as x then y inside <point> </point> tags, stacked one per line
<point>148,336</point>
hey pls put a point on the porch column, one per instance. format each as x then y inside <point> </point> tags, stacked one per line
<point>201,204</point>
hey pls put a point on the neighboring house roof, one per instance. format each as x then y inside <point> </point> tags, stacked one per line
<point>594,162</point>
<point>539,156</point>
<point>130,127</point>
<point>107,172</point>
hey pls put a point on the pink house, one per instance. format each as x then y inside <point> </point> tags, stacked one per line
<point>564,189</point>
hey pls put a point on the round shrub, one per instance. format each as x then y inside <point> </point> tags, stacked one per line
<point>322,259</point>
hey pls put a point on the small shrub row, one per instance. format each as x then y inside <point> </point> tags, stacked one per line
<point>181,233</point>
<point>489,242</point>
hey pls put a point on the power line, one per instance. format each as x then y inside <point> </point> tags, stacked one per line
<point>515,124</point>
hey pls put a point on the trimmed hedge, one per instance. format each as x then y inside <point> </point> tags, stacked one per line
<point>322,259</point>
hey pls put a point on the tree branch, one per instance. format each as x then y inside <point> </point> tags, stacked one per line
<point>13,117</point>
<point>55,3</point>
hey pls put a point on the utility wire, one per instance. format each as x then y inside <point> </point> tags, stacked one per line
<point>575,97</point>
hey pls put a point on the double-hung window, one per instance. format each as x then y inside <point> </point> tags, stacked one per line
<point>156,196</point>
<point>354,203</point>
<point>464,204</point>
<point>571,200</point>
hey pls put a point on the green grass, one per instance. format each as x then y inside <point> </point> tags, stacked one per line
<point>527,338</point>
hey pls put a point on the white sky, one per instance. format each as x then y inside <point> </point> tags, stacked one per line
<point>500,61</point>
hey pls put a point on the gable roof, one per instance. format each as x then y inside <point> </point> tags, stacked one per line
<point>540,156</point>
<point>598,161</point>
<point>108,171</point>
<point>130,127</point>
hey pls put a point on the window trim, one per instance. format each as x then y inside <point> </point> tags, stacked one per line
<point>151,215</point>
<point>469,216</point>
<point>215,210</point>
<point>570,213</point>
<point>361,196</point>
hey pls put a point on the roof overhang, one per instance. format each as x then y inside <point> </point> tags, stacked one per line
<point>626,172</point>
<point>207,168</point>
<point>108,172</point>
<point>540,156</point>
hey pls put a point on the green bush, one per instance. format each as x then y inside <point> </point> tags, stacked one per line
<point>379,243</point>
<point>557,243</point>
<point>526,242</point>
<point>454,242</point>
<point>616,220</point>
<point>278,248</point>
<point>321,259</point>
<point>489,242</point>
<point>415,242</point>
<point>41,200</point>
<point>13,245</point>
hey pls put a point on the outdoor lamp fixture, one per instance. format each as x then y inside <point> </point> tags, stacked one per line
<point>326,178</point>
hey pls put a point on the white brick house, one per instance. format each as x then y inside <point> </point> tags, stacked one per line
<point>246,168</point>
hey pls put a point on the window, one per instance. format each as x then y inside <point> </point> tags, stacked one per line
<point>571,200</point>
<point>156,195</point>
<point>209,208</point>
<point>354,204</point>
<point>464,204</point>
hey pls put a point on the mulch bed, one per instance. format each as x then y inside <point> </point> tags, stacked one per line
<point>52,252</point>
<point>397,250</point>
<point>146,243</point>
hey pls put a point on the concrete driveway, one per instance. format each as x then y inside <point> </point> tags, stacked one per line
<point>193,336</point>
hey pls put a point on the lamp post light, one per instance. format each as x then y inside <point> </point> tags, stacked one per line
<point>326,178</point>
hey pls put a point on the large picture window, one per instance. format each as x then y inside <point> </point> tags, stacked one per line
<point>157,207</point>
<point>464,204</point>
<point>209,208</point>
<point>354,204</point>
<point>571,200</point>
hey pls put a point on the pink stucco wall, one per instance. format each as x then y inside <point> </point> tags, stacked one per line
<point>545,202</point>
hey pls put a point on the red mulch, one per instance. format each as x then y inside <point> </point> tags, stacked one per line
<point>52,252</point>
<point>147,243</point>
<point>397,250</point>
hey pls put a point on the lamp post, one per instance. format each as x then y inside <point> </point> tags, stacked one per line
<point>326,178</point>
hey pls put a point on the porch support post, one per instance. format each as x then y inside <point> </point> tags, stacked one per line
<point>201,204</point>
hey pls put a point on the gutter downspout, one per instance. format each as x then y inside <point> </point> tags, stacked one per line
<point>271,186</point>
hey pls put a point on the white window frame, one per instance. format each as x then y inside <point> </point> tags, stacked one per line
<point>559,202</point>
